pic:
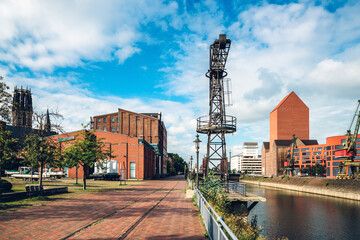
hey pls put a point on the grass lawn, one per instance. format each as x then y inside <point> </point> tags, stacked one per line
<point>74,190</point>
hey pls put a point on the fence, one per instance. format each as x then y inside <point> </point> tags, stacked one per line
<point>191,183</point>
<point>237,187</point>
<point>214,224</point>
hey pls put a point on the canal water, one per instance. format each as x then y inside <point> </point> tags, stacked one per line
<point>305,216</point>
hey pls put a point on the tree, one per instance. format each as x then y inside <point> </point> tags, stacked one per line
<point>71,158</point>
<point>179,163</point>
<point>39,119</point>
<point>5,102</point>
<point>38,152</point>
<point>86,151</point>
<point>8,148</point>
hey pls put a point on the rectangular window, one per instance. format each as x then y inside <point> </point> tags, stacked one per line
<point>296,154</point>
<point>357,157</point>
<point>319,148</point>
<point>305,149</point>
<point>328,163</point>
<point>104,120</point>
<point>117,129</point>
<point>358,145</point>
<point>137,118</point>
<point>318,157</point>
<point>305,158</point>
<point>327,171</point>
<point>328,158</point>
<point>304,162</point>
<point>328,148</point>
<point>335,171</point>
<point>305,153</point>
<point>317,153</point>
<point>104,128</point>
<point>296,150</point>
<point>113,119</point>
<point>338,146</point>
<point>99,128</point>
<point>342,140</point>
<point>112,129</point>
<point>335,163</point>
<point>99,120</point>
<point>117,119</point>
<point>318,161</point>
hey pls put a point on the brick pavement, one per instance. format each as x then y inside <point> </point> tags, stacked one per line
<point>174,218</point>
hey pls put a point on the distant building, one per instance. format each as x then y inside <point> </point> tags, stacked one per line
<point>22,116</point>
<point>146,126</point>
<point>289,117</point>
<point>248,161</point>
<point>324,154</point>
<point>22,109</point>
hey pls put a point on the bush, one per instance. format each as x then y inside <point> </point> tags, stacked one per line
<point>5,186</point>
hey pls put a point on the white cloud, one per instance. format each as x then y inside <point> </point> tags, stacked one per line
<point>275,50</point>
<point>43,35</point>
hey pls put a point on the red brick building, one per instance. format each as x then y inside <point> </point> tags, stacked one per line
<point>134,156</point>
<point>289,117</point>
<point>146,126</point>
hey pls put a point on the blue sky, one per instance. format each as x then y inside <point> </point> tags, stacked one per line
<point>86,58</point>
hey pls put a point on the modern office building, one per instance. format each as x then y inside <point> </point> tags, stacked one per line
<point>324,154</point>
<point>247,161</point>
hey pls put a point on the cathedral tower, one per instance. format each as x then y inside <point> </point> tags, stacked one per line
<point>22,109</point>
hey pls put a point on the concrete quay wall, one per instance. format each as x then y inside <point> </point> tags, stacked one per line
<point>307,189</point>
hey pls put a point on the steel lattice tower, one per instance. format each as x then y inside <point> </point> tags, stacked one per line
<point>217,123</point>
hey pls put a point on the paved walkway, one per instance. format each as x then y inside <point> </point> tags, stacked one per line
<point>152,210</point>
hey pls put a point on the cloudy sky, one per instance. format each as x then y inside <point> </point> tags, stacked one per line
<point>86,58</point>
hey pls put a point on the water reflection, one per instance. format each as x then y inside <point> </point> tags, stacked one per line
<point>306,216</point>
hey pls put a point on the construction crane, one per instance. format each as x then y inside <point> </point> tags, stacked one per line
<point>290,161</point>
<point>217,123</point>
<point>348,152</point>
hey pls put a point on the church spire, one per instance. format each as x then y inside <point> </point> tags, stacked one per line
<point>47,125</point>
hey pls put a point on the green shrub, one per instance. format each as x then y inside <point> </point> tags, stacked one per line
<point>5,186</point>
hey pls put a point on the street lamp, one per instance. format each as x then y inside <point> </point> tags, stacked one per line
<point>197,146</point>
<point>190,167</point>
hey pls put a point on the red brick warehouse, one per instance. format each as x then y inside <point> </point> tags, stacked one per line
<point>135,156</point>
<point>146,126</point>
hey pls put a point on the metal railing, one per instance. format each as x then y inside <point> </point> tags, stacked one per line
<point>214,224</point>
<point>191,183</point>
<point>206,124</point>
<point>237,187</point>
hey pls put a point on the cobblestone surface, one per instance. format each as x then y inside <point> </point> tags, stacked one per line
<point>108,215</point>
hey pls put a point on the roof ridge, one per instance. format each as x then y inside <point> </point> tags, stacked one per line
<point>283,100</point>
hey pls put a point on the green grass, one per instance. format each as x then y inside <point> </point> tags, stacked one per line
<point>73,188</point>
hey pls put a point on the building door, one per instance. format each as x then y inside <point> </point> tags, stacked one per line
<point>132,169</point>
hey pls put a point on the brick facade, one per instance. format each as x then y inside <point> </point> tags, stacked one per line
<point>125,149</point>
<point>147,126</point>
<point>290,116</point>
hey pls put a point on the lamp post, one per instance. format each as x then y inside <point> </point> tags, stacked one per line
<point>190,167</point>
<point>197,142</point>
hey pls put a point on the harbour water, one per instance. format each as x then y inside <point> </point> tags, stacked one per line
<point>305,216</point>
